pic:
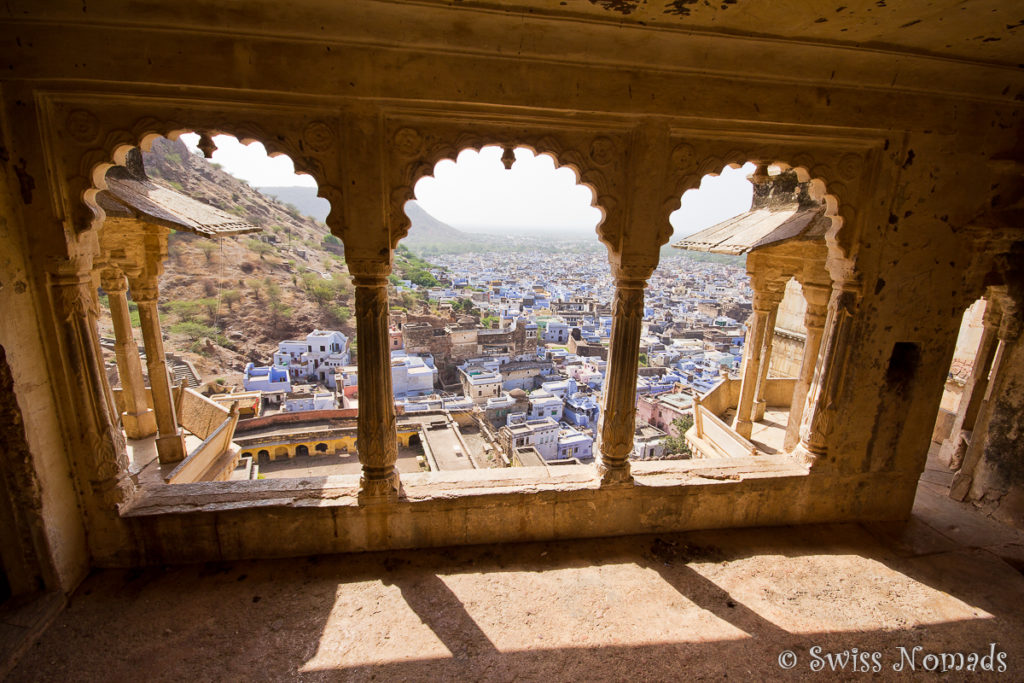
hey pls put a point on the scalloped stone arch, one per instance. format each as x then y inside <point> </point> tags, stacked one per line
<point>317,136</point>
<point>826,186</point>
<point>426,169</point>
<point>591,155</point>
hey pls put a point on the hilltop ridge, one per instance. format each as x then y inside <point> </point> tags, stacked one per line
<point>229,301</point>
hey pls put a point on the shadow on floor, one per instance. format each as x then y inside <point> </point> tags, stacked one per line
<point>658,607</point>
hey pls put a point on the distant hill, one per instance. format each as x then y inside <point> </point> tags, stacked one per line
<point>228,301</point>
<point>302,198</point>
<point>427,230</point>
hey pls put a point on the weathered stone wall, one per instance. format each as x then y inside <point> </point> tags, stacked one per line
<point>787,355</point>
<point>41,484</point>
<point>901,145</point>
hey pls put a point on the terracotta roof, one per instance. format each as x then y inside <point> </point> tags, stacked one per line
<point>136,196</point>
<point>782,211</point>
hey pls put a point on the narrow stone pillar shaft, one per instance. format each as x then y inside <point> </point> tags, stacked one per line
<point>977,386</point>
<point>619,418</point>
<point>1008,335</point>
<point>138,419</point>
<point>378,436</point>
<point>817,297</point>
<point>170,444</point>
<point>954,447</point>
<point>698,416</point>
<point>742,423</point>
<point>764,302</point>
<point>820,411</point>
<point>761,403</point>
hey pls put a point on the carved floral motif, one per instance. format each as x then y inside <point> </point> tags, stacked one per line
<point>83,126</point>
<point>319,136</point>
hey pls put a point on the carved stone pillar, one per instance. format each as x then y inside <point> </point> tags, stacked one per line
<point>170,444</point>
<point>955,446</point>
<point>765,301</point>
<point>817,297</point>
<point>138,419</point>
<point>98,434</point>
<point>619,416</point>
<point>1008,335</point>
<point>820,410</point>
<point>760,402</point>
<point>378,436</point>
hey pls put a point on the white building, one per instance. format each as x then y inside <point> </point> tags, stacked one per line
<point>316,358</point>
<point>412,375</point>
<point>557,332</point>
<point>480,384</point>
<point>306,398</point>
<point>268,379</point>
<point>541,434</point>
<point>543,404</point>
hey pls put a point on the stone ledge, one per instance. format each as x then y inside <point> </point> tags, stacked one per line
<point>292,518</point>
<point>342,490</point>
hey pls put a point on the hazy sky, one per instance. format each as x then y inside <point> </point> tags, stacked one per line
<point>251,163</point>
<point>477,194</point>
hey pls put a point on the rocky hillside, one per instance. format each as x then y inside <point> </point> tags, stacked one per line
<point>225,302</point>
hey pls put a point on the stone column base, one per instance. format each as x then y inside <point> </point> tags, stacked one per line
<point>614,475</point>
<point>379,487</point>
<point>743,427</point>
<point>759,408</point>
<point>806,455</point>
<point>139,425</point>
<point>171,448</point>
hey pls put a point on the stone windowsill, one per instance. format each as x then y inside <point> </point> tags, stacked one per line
<point>465,486</point>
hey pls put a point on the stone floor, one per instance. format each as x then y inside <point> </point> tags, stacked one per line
<point>768,433</point>
<point>712,604</point>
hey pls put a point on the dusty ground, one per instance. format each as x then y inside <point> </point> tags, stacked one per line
<point>708,605</point>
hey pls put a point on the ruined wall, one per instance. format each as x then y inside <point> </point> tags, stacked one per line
<point>424,338</point>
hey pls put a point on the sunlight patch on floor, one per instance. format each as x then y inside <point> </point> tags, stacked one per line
<point>835,593</point>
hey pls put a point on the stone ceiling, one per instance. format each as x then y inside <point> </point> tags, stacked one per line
<point>986,31</point>
<point>979,30</point>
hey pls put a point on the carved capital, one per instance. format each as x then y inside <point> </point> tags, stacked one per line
<point>72,286</point>
<point>144,289</point>
<point>113,281</point>
<point>767,297</point>
<point>628,304</point>
<point>369,272</point>
<point>631,274</point>
<point>817,298</point>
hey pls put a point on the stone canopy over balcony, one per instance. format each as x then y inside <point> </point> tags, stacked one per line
<point>783,234</point>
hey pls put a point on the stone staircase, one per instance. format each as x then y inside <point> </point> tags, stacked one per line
<point>180,368</point>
